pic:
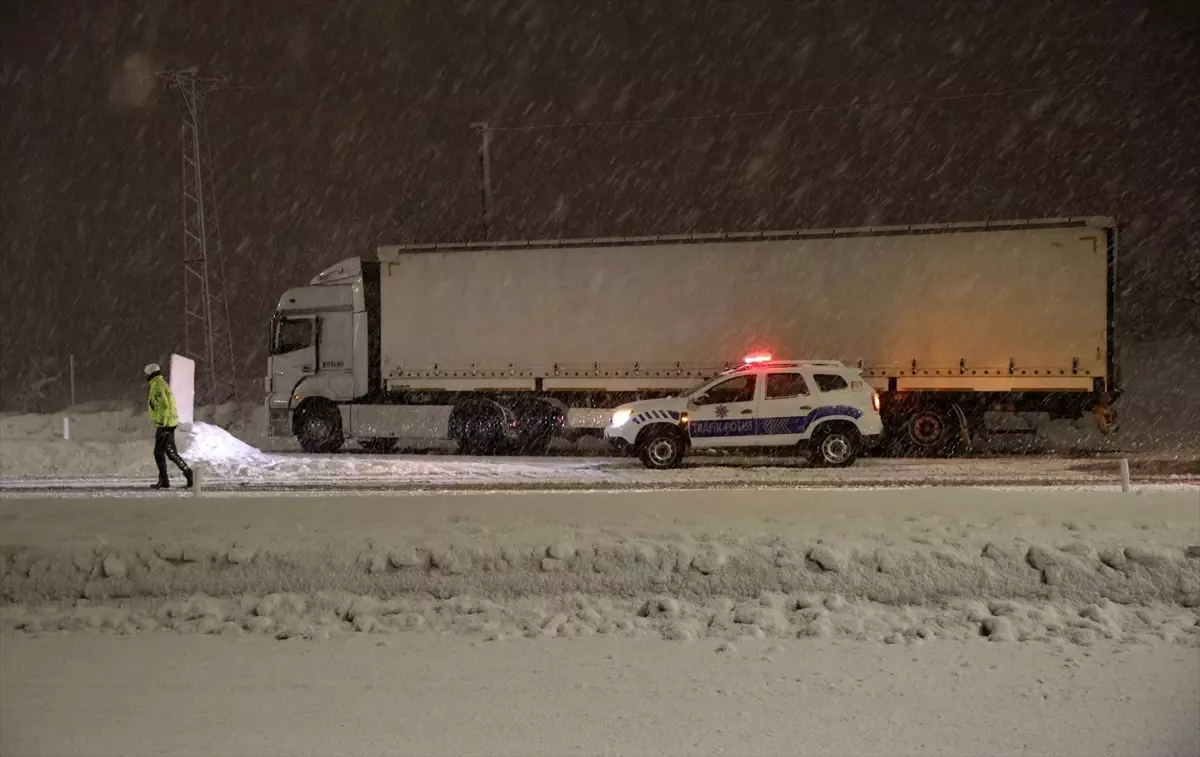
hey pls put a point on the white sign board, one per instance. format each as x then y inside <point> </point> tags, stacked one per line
<point>183,385</point>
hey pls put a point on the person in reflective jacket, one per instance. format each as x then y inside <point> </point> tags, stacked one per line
<point>160,405</point>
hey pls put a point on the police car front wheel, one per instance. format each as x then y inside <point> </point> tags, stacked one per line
<point>835,447</point>
<point>662,450</point>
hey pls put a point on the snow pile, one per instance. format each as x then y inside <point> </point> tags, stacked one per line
<point>898,566</point>
<point>690,569</point>
<point>214,445</point>
<point>330,614</point>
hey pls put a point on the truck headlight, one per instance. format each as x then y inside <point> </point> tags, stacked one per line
<point>621,417</point>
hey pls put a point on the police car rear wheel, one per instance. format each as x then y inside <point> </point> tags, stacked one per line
<point>661,451</point>
<point>834,448</point>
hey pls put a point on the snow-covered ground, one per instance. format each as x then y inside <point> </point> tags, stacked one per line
<point>748,606</point>
<point>678,563</point>
<point>915,621</point>
<point>431,695</point>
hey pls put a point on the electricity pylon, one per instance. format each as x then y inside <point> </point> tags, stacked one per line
<point>207,337</point>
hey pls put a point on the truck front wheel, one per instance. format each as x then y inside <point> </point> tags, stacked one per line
<point>319,429</point>
<point>662,449</point>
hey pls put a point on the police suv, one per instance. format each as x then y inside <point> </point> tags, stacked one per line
<point>821,408</point>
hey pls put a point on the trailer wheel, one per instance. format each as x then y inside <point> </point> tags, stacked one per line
<point>834,445</point>
<point>928,432</point>
<point>319,428</point>
<point>662,449</point>
<point>379,446</point>
<point>478,428</point>
<point>539,420</point>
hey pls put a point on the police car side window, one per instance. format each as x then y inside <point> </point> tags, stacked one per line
<point>738,389</point>
<point>829,382</point>
<point>781,386</point>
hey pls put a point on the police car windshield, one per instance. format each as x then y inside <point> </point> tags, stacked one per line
<point>697,387</point>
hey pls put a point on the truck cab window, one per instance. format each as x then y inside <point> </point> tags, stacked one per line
<point>737,389</point>
<point>293,335</point>
<point>781,386</point>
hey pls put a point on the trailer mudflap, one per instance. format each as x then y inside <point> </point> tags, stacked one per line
<point>1103,411</point>
<point>964,429</point>
<point>1105,416</point>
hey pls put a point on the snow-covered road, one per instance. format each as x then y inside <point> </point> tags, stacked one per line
<point>431,695</point>
<point>919,621</point>
<point>399,473</point>
<point>107,459</point>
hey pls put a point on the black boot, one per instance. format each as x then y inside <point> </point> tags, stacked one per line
<point>161,485</point>
<point>187,474</point>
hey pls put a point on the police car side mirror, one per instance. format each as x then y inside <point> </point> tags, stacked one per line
<point>699,399</point>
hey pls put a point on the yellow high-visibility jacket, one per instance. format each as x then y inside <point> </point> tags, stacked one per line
<point>161,404</point>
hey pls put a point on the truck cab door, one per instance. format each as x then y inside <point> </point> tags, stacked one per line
<point>335,354</point>
<point>724,414</point>
<point>784,413</point>
<point>293,352</point>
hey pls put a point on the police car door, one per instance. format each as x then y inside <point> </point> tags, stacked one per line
<point>724,416</point>
<point>786,408</point>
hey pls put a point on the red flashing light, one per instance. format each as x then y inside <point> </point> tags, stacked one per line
<point>761,357</point>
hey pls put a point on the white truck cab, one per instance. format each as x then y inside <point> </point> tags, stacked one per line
<point>821,407</point>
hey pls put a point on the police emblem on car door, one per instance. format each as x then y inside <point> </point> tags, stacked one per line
<point>724,416</point>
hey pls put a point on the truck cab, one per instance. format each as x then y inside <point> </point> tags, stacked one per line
<point>317,358</point>
<point>821,408</point>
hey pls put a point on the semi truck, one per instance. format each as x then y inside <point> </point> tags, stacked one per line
<point>503,346</point>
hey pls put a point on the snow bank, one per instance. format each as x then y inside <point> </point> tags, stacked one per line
<point>331,614</point>
<point>879,566</point>
<point>685,569</point>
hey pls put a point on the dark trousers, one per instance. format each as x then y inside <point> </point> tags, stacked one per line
<point>164,449</point>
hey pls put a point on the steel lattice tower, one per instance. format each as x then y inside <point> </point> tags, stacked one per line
<point>207,337</point>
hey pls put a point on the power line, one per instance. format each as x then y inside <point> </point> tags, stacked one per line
<point>834,108</point>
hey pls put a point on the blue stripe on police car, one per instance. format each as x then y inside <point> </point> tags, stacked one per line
<point>770,426</point>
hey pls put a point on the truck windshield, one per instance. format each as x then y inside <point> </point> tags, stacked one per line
<point>292,334</point>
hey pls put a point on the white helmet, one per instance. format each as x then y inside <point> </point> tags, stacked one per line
<point>152,369</point>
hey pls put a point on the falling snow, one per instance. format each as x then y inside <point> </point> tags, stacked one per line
<point>354,130</point>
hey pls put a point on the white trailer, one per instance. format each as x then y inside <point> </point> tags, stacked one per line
<point>503,345</point>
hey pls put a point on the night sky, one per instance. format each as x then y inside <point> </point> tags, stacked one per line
<point>355,131</point>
